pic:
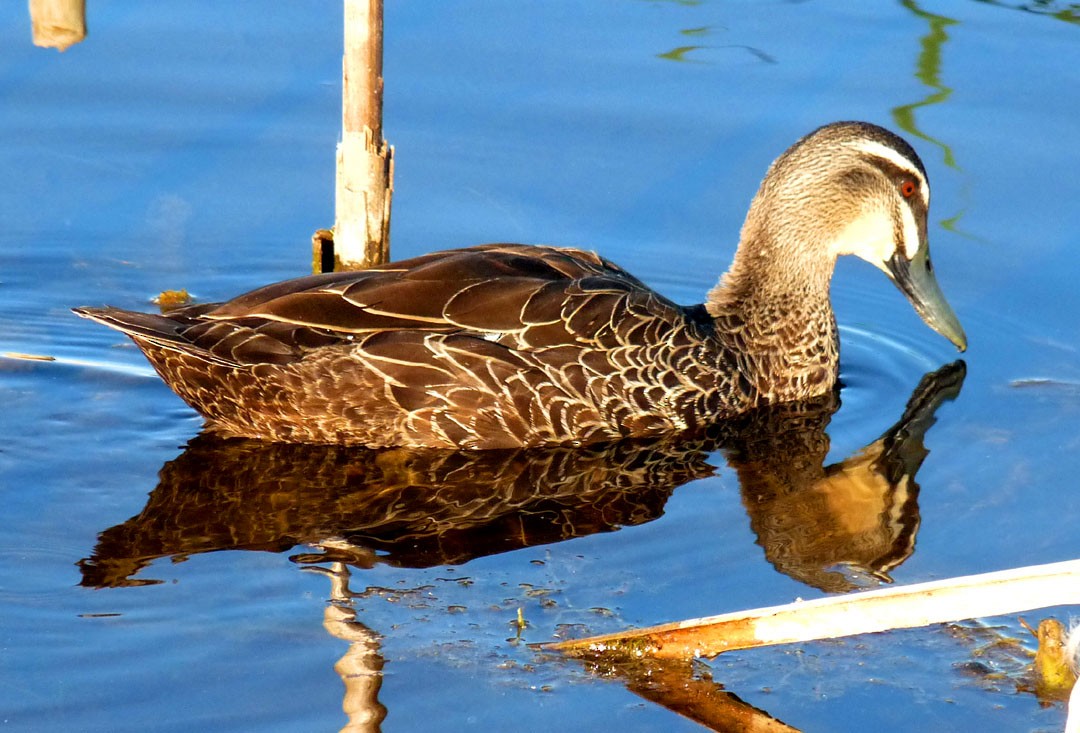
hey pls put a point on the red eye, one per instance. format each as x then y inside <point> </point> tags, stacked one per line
<point>907,188</point>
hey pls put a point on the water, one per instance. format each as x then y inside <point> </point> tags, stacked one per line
<point>191,146</point>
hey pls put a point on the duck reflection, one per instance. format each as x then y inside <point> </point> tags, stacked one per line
<point>848,524</point>
<point>828,527</point>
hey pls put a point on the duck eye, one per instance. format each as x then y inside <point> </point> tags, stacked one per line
<point>907,188</point>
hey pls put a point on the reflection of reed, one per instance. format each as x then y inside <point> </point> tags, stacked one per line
<point>360,668</point>
<point>683,688</point>
<point>419,508</point>
<point>1064,11</point>
<point>928,71</point>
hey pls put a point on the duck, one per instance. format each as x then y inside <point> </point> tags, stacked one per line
<point>514,346</point>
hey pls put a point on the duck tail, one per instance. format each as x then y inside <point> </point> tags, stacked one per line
<point>150,326</point>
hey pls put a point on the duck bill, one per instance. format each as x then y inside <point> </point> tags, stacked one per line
<point>916,280</point>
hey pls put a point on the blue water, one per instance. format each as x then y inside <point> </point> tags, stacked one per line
<point>190,145</point>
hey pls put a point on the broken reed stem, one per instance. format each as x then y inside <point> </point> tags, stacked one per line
<point>365,166</point>
<point>57,24</point>
<point>362,67</point>
<point>973,596</point>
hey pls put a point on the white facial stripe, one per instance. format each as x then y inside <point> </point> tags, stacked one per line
<point>877,150</point>
<point>911,232</point>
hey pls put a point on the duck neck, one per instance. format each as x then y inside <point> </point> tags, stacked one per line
<point>773,306</point>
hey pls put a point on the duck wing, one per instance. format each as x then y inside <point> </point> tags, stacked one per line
<point>520,296</point>
<point>483,288</point>
<point>523,297</point>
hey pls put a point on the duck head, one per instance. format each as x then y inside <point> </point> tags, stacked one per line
<point>855,188</point>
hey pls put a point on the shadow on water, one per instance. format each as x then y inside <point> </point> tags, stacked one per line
<point>835,527</point>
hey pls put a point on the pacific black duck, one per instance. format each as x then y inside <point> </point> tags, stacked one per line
<point>510,345</point>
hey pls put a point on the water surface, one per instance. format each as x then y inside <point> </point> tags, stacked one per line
<point>191,146</point>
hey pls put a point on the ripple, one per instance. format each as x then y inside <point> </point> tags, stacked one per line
<point>873,357</point>
<point>35,576</point>
<point>878,373</point>
<point>54,336</point>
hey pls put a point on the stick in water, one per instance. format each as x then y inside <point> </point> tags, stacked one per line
<point>973,596</point>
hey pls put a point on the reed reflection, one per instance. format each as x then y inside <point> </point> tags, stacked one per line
<point>928,72</point>
<point>830,527</point>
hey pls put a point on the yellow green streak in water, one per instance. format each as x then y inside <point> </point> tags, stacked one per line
<point>928,71</point>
